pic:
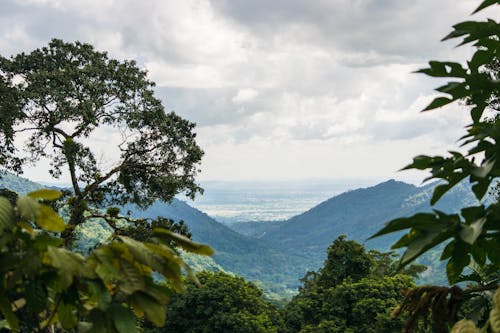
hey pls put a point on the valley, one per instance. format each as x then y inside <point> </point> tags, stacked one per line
<point>277,254</point>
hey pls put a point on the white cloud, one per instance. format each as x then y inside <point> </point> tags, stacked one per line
<point>275,85</point>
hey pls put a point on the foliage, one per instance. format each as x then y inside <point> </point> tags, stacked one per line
<point>222,303</point>
<point>469,326</point>
<point>102,292</point>
<point>61,94</point>
<point>473,234</point>
<point>472,237</point>
<point>57,97</point>
<point>347,294</point>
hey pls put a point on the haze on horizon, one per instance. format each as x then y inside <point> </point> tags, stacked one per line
<point>279,89</point>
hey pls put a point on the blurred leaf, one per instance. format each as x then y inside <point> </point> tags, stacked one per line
<point>65,315</point>
<point>470,233</point>
<point>49,220</point>
<point>68,264</point>
<point>123,319</point>
<point>28,208</point>
<point>6,214</point>
<point>45,194</point>
<point>455,266</point>
<point>155,312</point>
<point>8,314</point>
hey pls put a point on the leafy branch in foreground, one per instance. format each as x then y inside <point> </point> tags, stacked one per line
<point>472,237</point>
<point>104,292</point>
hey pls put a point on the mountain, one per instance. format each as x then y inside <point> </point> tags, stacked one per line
<point>252,258</point>
<point>280,253</point>
<point>359,214</point>
<point>17,184</point>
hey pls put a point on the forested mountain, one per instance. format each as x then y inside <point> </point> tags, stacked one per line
<point>280,253</point>
<point>17,184</point>
<point>247,256</point>
<point>359,214</point>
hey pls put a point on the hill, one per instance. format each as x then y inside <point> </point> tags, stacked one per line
<point>357,214</point>
<point>17,184</point>
<point>252,258</point>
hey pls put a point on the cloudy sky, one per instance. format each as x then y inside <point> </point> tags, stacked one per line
<point>281,89</point>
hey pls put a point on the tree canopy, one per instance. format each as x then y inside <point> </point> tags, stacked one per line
<point>58,97</point>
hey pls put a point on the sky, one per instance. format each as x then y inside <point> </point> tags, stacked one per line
<point>282,89</point>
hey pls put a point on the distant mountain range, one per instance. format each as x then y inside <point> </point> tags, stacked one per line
<point>280,253</point>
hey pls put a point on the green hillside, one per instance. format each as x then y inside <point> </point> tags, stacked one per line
<point>17,184</point>
<point>278,254</point>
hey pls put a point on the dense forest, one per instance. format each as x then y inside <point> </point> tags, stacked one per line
<point>80,260</point>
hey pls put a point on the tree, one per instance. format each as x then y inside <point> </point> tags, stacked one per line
<point>353,292</point>
<point>472,237</point>
<point>61,94</point>
<point>222,303</point>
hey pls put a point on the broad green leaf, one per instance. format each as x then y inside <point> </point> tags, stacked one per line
<point>65,315</point>
<point>155,312</point>
<point>470,233</point>
<point>480,188</point>
<point>28,208</point>
<point>448,250</point>
<point>132,278</point>
<point>456,265</point>
<point>8,314</point>
<point>123,319</point>
<point>438,192</point>
<point>421,244</point>
<point>49,220</point>
<point>68,264</point>
<point>184,242</point>
<point>6,214</point>
<point>465,326</point>
<point>98,294</point>
<point>495,319</point>
<point>45,194</point>
<point>160,292</point>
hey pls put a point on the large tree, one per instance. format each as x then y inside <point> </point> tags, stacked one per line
<point>60,95</point>
<point>57,97</point>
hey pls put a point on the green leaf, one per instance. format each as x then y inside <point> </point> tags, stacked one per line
<point>6,214</point>
<point>123,319</point>
<point>155,312</point>
<point>480,188</point>
<point>65,315</point>
<point>458,261</point>
<point>470,233</point>
<point>421,244</point>
<point>45,194</point>
<point>448,250</point>
<point>48,219</point>
<point>68,264</point>
<point>6,310</point>
<point>438,192</point>
<point>184,242</point>
<point>437,103</point>
<point>28,208</point>
<point>484,4</point>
